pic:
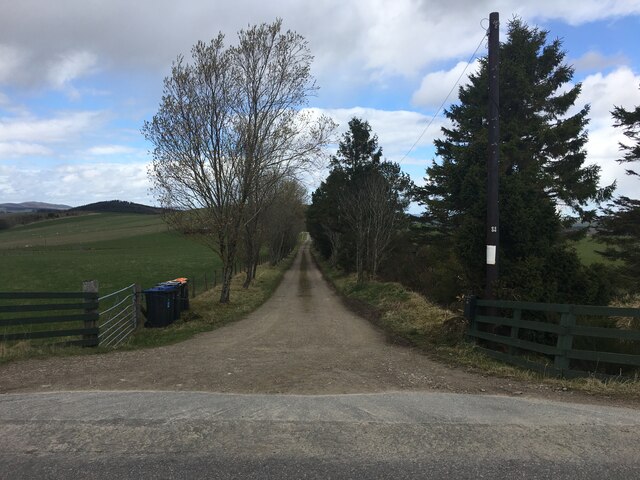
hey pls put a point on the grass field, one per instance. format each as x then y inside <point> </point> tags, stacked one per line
<point>115,249</point>
<point>587,251</point>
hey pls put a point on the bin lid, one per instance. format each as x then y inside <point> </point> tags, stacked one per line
<point>156,289</point>
<point>165,288</point>
<point>171,283</point>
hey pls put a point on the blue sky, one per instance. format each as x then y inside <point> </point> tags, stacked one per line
<point>78,79</point>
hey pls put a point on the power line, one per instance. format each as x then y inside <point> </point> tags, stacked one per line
<point>471,58</point>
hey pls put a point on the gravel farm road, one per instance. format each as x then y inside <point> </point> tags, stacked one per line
<point>301,388</point>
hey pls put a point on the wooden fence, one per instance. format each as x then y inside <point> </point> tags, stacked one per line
<point>508,331</point>
<point>64,315</point>
<point>74,318</point>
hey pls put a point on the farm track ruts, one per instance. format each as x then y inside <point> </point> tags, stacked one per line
<point>303,340</point>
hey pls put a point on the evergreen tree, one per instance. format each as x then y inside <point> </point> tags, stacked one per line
<point>356,211</point>
<point>620,227</point>
<point>541,168</point>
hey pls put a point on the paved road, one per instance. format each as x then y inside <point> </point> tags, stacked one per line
<point>393,435</point>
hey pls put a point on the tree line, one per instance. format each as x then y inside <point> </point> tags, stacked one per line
<point>545,185</point>
<point>231,138</point>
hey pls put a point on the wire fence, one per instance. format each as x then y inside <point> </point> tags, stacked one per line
<point>207,280</point>
<point>119,319</point>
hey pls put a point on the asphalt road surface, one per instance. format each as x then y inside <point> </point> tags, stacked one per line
<point>393,435</point>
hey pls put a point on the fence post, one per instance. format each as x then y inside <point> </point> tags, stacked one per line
<point>517,316</point>
<point>91,287</point>
<point>565,341</point>
<point>137,305</point>
<point>215,278</point>
<point>470,307</point>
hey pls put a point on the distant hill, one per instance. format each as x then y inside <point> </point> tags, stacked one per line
<point>25,207</point>
<point>117,206</point>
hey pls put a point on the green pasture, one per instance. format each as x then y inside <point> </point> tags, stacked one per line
<point>115,249</point>
<point>587,248</point>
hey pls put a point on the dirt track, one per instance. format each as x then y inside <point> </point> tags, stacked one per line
<point>303,340</point>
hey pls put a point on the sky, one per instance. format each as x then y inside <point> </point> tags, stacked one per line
<point>78,78</point>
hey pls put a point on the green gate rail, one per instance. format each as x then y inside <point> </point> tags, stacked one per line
<point>499,324</point>
<point>59,319</point>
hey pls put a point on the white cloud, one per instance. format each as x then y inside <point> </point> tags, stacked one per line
<point>603,92</point>
<point>12,60</point>
<point>576,12</point>
<point>367,38</point>
<point>60,128</point>
<point>111,150</point>
<point>9,106</point>
<point>619,88</point>
<point>593,60</point>
<point>76,184</point>
<point>54,44</point>
<point>19,149</point>
<point>397,130</point>
<point>69,66</point>
<point>435,86</point>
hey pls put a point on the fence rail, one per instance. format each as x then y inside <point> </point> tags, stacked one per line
<point>76,319</point>
<point>120,319</point>
<point>70,326</point>
<point>554,336</point>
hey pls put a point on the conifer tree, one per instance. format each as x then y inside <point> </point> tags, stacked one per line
<point>357,210</point>
<point>542,168</point>
<point>620,227</point>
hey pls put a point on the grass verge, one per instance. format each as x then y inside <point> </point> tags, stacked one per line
<point>407,317</point>
<point>205,314</point>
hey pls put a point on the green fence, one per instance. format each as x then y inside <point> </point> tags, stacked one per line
<point>565,340</point>
<point>71,316</point>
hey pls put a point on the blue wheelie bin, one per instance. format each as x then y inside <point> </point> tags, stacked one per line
<point>172,289</point>
<point>160,303</point>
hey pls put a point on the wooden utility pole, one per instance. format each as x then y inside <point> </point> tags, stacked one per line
<point>493,157</point>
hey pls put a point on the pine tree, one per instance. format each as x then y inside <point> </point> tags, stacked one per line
<point>541,169</point>
<point>357,210</point>
<point>620,227</point>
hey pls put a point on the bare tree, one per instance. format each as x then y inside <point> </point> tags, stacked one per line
<point>354,211</point>
<point>383,218</point>
<point>335,239</point>
<point>373,208</point>
<point>284,219</point>
<point>228,126</point>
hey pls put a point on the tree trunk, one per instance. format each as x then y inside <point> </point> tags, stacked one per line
<point>227,275</point>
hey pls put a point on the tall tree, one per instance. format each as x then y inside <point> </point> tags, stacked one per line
<point>357,210</point>
<point>620,227</point>
<point>227,123</point>
<point>284,219</point>
<point>542,169</point>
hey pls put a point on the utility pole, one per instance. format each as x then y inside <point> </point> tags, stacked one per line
<point>493,235</point>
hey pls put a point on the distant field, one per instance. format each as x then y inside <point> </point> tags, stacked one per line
<point>115,249</point>
<point>80,230</point>
<point>587,248</point>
